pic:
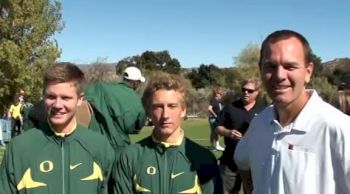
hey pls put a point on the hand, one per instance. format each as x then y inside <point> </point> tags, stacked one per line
<point>235,134</point>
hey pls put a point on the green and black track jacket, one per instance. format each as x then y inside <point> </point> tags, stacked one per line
<point>40,162</point>
<point>152,167</point>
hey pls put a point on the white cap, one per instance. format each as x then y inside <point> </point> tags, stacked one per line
<point>133,73</point>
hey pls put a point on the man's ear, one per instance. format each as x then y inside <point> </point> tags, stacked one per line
<point>81,97</point>
<point>183,113</point>
<point>309,70</point>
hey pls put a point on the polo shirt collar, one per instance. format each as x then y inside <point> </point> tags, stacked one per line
<point>305,115</point>
<point>167,144</point>
<point>163,146</point>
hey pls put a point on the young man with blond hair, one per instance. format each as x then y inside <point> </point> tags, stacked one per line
<point>166,161</point>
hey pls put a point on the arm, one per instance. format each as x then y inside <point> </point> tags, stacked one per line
<point>7,182</point>
<point>210,178</point>
<point>211,111</point>
<point>233,134</point>
<point>247,181</point>
<point>224,123</point>
<point>340,147</point>
<point>109,160</point>
<point>123,175</point>
<point>9,113</point>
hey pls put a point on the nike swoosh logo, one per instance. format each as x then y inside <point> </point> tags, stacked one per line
<point>96,173</point>
<point>176,175</point>
<point>72,167</point>
<point>27,181</point>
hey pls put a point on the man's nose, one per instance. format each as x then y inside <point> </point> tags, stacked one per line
<point>280,72</point>
<point>165,113</point>
<point>58,103</point>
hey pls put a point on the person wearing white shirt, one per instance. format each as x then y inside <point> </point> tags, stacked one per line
<point>300,144</point>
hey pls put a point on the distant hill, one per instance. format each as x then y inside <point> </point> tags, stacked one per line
<point>338,70</point>
<point>85,67</point>
<point>342,64</point>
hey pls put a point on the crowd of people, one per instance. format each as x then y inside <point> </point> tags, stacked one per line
<point>299,144</point>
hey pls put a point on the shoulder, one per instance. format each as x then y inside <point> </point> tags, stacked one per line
<point>94,142</point>
<point>266,113</point>
<point>197,153</point>
<point>264,118</point>
<point>31,140</point>
<point>135,151</point>
<point>89,135</point>
<point>332,117</point>
<point>28,137</point>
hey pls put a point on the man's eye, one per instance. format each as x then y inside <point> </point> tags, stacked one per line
<point>156,106</point>
<point>50,97</point>
<point>270,65</point>
<point>66,98</point>
<point>173,105</point>
<point>290,67</point>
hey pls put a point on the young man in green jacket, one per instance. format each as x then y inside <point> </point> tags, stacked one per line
<point>167,161</point>
<point>117,108</point>
<point>60,157</point>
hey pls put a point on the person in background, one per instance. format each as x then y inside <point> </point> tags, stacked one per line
<point>166,161</point>
<point>214,109</point>
<point>233,123</point>
<point>15,115</point>
<point>299,144</point>
<point>25,110</point>
<point>117,108</point>
<point>61,156</point>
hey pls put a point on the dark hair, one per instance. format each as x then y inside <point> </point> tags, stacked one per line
<point>167,82</point>
<point>64,72</point>
<point>285,34</point>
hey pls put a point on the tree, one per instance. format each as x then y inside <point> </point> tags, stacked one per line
<point>100,71</point>
<point>206,76</point>
<point>248,57</point>
<point>26,44</point>
<point>151,61</point>
<point>247,61</point>
<point>318,67</point>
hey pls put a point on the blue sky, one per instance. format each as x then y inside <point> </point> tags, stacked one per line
<point>197,31</point>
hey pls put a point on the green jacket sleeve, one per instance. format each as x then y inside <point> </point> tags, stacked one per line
<point>210,179</point>
<point>109,158</point>
<point>7,181</point>
<point>123,175</point>
<point>134,126</point>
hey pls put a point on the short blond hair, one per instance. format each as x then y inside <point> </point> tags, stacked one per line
<point>251,80</point>
<point>166,82</point>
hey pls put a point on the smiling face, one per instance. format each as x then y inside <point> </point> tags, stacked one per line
<point>284,72</point>
<point>166,111</point>
<point>61,102</point>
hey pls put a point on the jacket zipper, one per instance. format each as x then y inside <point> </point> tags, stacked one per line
<point>63,166</point>
<point>165,172</point>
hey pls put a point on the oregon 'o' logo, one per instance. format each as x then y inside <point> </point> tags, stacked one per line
<point>151,170</point>
<point>46,166</point>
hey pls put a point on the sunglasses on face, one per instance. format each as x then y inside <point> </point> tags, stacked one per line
<point>247,90</point>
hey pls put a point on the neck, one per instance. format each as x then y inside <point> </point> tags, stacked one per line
<point>66,129</point>
<point>287,113</point>
<point>249,106</point>
<point>172,138</point>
